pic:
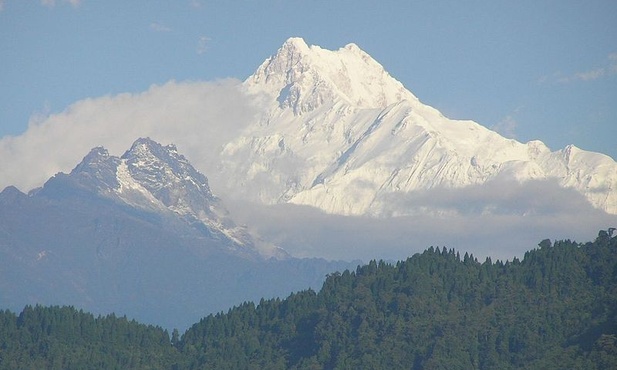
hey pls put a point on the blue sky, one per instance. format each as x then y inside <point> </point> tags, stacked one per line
<point>538,69</point>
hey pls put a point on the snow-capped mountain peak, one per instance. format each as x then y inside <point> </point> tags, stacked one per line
<point>303,78</point>
<point>338,133</point>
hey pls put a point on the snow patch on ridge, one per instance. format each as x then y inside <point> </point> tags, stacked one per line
<point>132,192</point>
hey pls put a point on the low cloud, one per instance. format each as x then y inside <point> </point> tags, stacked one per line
<point>199,117</point>
<point>497,197</point>
<point>501,220</point>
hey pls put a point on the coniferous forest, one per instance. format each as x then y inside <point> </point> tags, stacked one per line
<point>554,309</point>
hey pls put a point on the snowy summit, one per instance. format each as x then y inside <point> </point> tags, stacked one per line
<point>305,78</point>
<point>339,133</point>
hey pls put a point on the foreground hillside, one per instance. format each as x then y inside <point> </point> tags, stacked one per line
<point>556,308</point>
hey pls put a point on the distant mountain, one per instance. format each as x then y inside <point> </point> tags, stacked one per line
<point>141,235</point>
<point>337,132</point>
<point>155,178</point>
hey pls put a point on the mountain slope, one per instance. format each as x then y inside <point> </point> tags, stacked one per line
<point>157,178</point>
<point>140,235</point>
<point>339,133</point>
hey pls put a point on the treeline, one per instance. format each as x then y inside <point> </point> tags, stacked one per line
<point>554,309</point>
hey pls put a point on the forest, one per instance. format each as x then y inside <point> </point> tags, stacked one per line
<point>556,308</point>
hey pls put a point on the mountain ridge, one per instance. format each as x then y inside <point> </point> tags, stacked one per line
<point>153,177</point>
<point>351,75</point>
<point>318,144</point>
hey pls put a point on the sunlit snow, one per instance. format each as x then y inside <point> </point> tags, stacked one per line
<point>339,133</point>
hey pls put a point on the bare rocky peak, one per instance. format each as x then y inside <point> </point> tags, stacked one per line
<point>156,178</point>
<point>168,176</point>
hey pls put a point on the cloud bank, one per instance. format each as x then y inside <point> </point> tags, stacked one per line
<point>502,220</point>
<point>198,117</point>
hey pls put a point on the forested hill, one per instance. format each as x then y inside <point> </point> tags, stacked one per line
<point>64,338</point>
<point>555,309</point>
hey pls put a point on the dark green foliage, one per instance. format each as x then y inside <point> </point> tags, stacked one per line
<point>64,338</point>
<point>555,309</point>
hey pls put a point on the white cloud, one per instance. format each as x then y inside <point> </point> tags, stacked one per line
<point>196,116</point>
<point>609,69</point>
<point>612,69</point>
<point>524,214</point>
<point>196,4</point>
<point>158,27</point>
<point>589,75</point>
<point>202,44</point>
<point>506,127</point>
<point>52,3</point>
